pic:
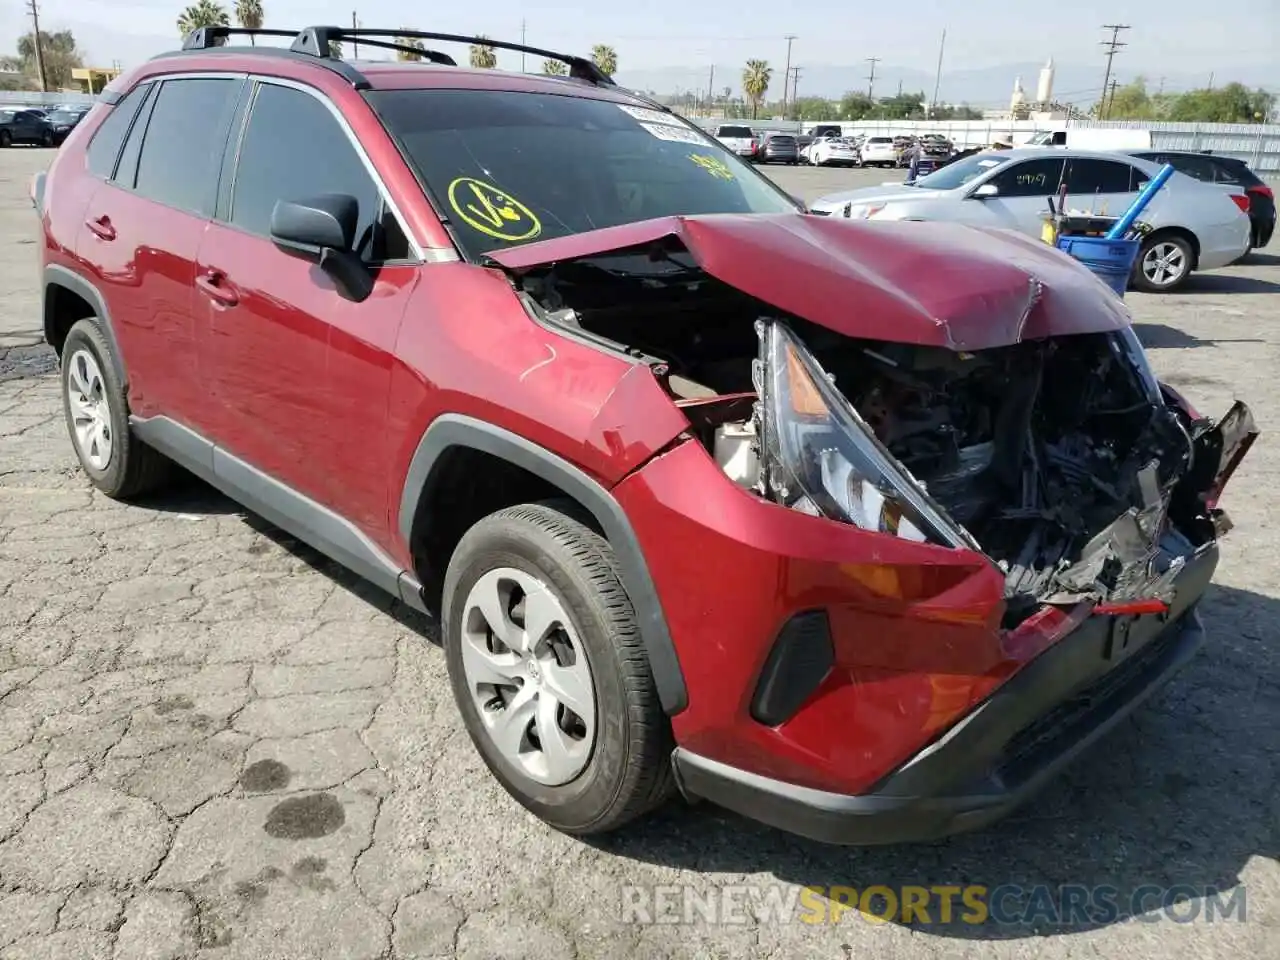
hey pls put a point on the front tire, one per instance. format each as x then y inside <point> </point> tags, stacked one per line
<point>1164,263</point>
<point>97,415</point>
<point>549,671</point>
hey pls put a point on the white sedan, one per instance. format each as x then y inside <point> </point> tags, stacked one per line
<point>833,152</point>
<point>879,152</point>
<point>1193,225</point>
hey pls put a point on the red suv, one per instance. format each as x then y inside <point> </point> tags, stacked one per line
<point>860,529</point>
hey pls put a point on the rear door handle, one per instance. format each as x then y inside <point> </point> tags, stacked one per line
<point>102,228</point>
<point>214,285</point>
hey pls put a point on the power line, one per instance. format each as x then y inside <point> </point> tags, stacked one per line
<point>871,78</point>
<point>1112,46</point>
<point>39,44</point>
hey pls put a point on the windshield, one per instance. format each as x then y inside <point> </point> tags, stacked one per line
<point>957,174</point>
<point>506,168</point>
<point>743,132</point>
<point>6,116</point>
<point>64,116</point>
<point>880,140</point>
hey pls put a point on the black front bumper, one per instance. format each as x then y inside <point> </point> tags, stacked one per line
<point>1001,753</point>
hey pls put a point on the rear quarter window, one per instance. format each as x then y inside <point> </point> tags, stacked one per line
<point>104,148</point>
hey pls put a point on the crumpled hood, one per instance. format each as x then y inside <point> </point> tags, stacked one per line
<point>936,284</point>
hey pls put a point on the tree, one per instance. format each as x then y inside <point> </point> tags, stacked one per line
<point>249,14</point>
<point>605,58</point>
<point>483,56</point>
<point>1233,103</point>
<point>856,105</point>
<point>554,68</point>
<point>813,108</point>
<point>904,106</point>
<point>203,13</point>
<point>755,83</point>
<point>60,57</point>
<point>409,42</point>
<point>335,49</point>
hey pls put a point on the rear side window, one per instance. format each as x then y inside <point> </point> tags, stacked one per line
<point>1098,176</point>
<point>1030,178</point>
<point>104,148</point>
<point>743,132</point>
<point>293,149</point>
<point>183,144</point>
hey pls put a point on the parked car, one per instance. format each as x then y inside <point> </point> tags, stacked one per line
<point>832,152</point>
<point>936,148</point>
<point>779,148</point>
<point>63,121</point>
<point>663,486</point>
<point>25,126</point>
<point>879,152</point>
<point>740,139</point>
<point>1228,174</point>
<point>1193,226</point>
<point>825,130</point>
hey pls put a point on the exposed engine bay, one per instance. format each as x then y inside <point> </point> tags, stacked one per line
<point>1060,459</point>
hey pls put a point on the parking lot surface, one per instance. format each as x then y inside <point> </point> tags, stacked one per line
<point>216,743</point>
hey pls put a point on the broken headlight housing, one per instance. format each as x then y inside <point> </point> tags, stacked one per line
<point>820,457</point>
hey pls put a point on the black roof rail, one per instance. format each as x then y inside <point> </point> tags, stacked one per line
<point>315,41</point>
<point>343,69</point>
<point>204,38</point>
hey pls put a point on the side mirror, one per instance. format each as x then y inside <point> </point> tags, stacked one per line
<point>985,191</point>
<point>322,229</point>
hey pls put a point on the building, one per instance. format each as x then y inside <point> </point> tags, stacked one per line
<point>91,80</point>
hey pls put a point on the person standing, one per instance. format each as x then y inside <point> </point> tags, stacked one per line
<point>914,152</point>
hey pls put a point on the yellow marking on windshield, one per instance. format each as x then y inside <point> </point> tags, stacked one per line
<point>713,165</point>
<point>492,211</point>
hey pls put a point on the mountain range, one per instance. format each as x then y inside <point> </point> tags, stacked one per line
<point>984,87</point>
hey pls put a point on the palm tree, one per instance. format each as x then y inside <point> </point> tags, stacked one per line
<point>605,59</point>
<point>203,13</point>
<point>409,42</point>
<point>755,83</point>
<point>335,49</point>
<point>483,56</point>
<point>249,15</point>
<point>554,68</point>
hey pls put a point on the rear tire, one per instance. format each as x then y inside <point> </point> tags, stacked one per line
<point>544,562</point>
<point>6,138</point>
<point>1164,263</point>
<point>97,416</point>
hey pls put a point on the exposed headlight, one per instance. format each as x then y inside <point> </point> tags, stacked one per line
<point>820,457</point>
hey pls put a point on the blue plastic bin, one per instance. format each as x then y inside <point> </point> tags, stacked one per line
<point>1111,260</point>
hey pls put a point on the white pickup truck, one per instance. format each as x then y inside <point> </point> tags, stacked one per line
<point>741,139</point>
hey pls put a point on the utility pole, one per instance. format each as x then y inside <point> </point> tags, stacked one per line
<point>795,83</point>
<point>355,44</point>
<point>937,79</point>
<point>1111,97</point>
<point>711,89</point>
<point>522,30</point>
<point>1112,46</point>
<point>1211,80</point>
<point>871,78</point>
<point>1160,92</point>
<point>39,44</point>
<point>786,73</point>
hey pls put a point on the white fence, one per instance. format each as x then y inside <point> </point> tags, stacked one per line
<point>1256,144</point>
<point>28,98</point>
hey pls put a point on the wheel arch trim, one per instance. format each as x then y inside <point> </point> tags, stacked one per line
<point>56,275</point>
<point>452,430</point>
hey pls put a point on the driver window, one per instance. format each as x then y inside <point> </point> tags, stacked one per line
<point>1030,178</point>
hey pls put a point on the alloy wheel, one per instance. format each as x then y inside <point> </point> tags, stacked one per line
<point>1164,264</point>
<point>528,675</point>
<point>90,409</point>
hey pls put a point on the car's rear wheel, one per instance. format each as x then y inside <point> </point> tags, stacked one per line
<point>549,672</point>
<point>1164,263</point>
<point>97,416</point>
<point>6,138</point>
<point>46,138</point>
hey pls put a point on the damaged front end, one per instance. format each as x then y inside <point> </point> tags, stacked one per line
<point>1059,459</point>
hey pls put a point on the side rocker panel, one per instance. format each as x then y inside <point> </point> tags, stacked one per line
<point>454,430</point>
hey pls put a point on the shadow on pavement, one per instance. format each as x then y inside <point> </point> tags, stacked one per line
<point>1179,795</point>
<point>1202,283</point>
<point>1159,335</point>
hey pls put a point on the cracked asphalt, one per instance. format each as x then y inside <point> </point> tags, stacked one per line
<point>215,743</point>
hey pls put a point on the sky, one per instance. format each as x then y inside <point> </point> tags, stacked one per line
<point>1172,35</point>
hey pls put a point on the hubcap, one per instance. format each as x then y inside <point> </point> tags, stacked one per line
<point>90,409</point>
<point>527,673</point>
<point>1164,263</point>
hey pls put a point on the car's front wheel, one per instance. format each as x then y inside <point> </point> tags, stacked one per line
<point>97,415</point>
<point>549,671</point>
<point>1164,263</point>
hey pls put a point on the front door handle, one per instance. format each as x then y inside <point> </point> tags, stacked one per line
<point>101,228</point>
<point>214,285</point>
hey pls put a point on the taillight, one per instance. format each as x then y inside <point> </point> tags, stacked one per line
<point>1241,200</point>
<point>1263,191</point>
